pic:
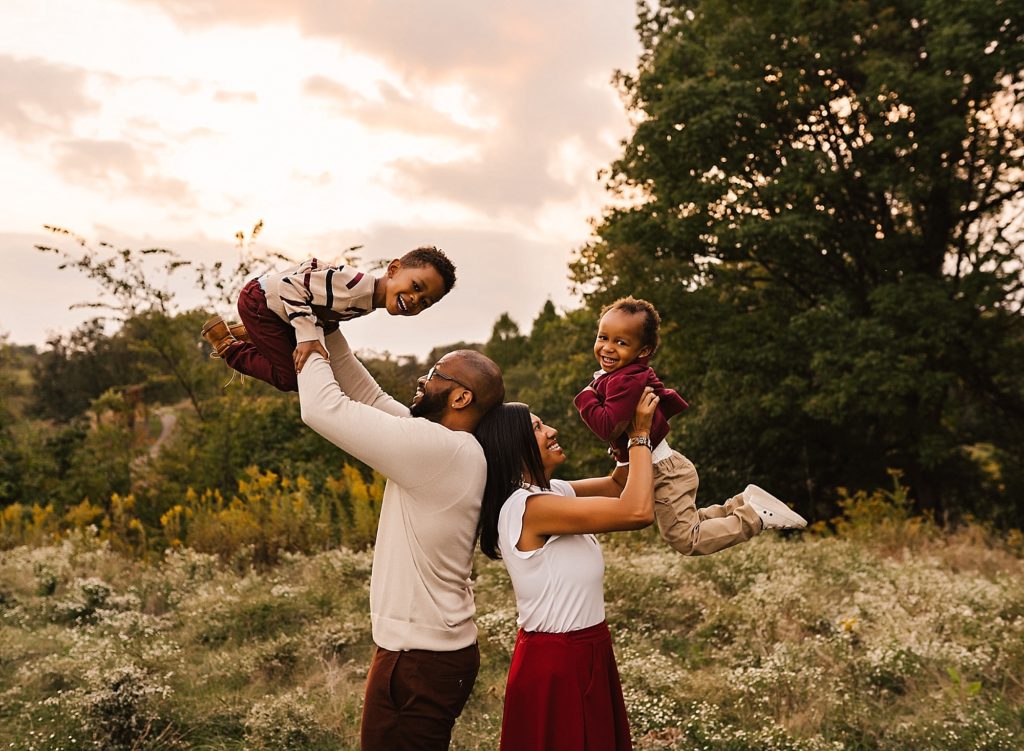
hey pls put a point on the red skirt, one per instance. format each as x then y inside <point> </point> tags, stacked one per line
<point>564,694</point>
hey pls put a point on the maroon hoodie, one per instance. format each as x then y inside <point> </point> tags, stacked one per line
<point>607,405</point>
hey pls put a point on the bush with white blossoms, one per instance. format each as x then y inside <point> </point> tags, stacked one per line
<point>116,707</point>
<point>283,723</point>
<point>499,627</point>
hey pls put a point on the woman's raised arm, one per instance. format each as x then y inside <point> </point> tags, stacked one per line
<point>548,514</point>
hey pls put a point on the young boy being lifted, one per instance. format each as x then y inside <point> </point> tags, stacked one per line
<point>281,311</point>
<point>627,336</point>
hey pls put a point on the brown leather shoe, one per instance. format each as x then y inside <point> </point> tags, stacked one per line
<point>238,331</point>
<point>217,333</point>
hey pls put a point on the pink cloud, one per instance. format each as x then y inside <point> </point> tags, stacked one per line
<point>247,97</point>
<point>39,97</point>
<point>119,168</point>
<point>391,110</point>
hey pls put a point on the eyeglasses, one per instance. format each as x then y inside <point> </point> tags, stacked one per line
<point>435,372</point>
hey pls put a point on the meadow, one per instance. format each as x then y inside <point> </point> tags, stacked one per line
<point>823,200</point>
<point>879,631</point>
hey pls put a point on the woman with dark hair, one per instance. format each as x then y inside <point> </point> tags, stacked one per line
<point>563,691</point>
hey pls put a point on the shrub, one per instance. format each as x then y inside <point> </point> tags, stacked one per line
<point>21,524</point>
<point>881,517</point>
<point>283,723</point>
<point>268,515</point>
<point>117,707</point>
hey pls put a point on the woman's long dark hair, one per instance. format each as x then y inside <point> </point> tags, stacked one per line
<point>510,446</point>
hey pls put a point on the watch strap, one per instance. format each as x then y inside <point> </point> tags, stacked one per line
<point>640,440</point>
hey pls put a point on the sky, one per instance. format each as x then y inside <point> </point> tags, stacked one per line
<point>478,127</point>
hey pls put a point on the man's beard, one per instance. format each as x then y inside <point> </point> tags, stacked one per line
<point>430,406</point>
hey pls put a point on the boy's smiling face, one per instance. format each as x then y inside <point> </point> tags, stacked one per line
<point>619,340</point>
<point>408,290</point>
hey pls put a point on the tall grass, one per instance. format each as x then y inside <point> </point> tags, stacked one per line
<point>878,632</point>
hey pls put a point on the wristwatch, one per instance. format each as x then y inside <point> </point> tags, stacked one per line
<point>640,440</point>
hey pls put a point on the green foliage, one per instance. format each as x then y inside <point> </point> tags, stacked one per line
<point>882,517</point>
<point>823,201</point>
<point>101,464</point>
<point>79,367</point>
<point>15,363</point>
<point>95,392</point>
<point>507,345</point>
<point>244,426</point>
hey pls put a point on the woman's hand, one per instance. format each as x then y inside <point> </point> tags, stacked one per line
<point>593,511</point>
<point>644,414</point>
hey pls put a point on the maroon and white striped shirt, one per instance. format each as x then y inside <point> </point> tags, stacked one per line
<point>314,292</point>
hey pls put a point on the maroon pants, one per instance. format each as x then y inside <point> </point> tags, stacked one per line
<point>564,694</point>
<point>413,698</point>
<point>269,356</point>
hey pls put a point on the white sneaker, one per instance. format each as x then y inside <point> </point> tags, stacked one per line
<point>774,513</point>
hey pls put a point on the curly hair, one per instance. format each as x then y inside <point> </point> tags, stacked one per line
<point>428,255</point>
<point>650,335</point>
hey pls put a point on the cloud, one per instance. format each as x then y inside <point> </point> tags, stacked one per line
<point>200,13</point>
<point>47,302</point>
<point>320,180</point>
<point>391,109</point>
<point>434,39</point>
<point>39,97</point>
<point>119,168</point>
<point>528,69</point>
<point>150,129</point>
<point>475,126</point>
<point>247,97</point>
<point>518,165</point>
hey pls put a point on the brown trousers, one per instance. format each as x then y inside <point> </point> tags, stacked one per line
<point>691,530</point>
<point>413,698</point>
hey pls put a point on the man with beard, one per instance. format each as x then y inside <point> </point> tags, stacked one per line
<point>421,597</point>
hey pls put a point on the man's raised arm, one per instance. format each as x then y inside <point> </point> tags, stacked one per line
<point>355,380</point>
<point>407,450</point>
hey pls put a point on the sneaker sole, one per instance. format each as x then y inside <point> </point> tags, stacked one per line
<point>780,512</point>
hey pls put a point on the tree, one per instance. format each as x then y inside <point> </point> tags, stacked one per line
<point>507,346</point>
<point>135,293</point>
<point>79,367</point>
<point>825,200</point>
<point>10,482</point>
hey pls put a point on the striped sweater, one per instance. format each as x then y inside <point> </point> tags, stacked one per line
<point>314,292</point>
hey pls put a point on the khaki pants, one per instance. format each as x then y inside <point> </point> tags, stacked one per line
<point>691,530</point>
<point>413,698</point>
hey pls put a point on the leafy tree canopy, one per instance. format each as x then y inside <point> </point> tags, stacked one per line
<point>824,201</point>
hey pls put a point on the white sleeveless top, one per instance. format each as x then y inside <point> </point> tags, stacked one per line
<point>559,587</point>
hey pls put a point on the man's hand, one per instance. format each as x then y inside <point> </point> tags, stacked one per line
<point>304,349</point>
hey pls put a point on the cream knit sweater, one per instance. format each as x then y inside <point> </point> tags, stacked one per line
<point>421,594</point>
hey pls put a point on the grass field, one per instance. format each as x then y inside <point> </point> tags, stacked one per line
<point>887,638</point>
